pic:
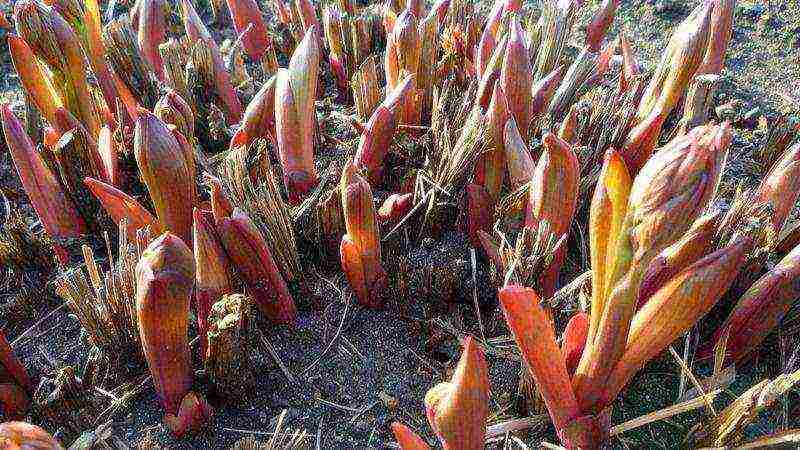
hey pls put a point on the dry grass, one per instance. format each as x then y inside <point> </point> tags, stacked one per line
<point>251,184</point>
<point>104,301</point>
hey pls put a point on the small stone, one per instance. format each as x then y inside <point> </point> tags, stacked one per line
<point>754,11</point>
<point>730,110</point>
<point>763,123</point>
<point>662,6</point>
<point>362,427</point>
<point>388,401</point>
<point>750,118</point>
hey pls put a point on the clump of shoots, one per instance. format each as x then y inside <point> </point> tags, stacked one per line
<point>360,249</point>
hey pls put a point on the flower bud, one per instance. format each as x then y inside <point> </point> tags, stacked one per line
<point>457,409</point>
<point>360,249</point>
<point>259,118</point>
<point>24,436</point>
<point>56,211</point>
<point>553,197</point>
<point>679,63</point>
<point>251,256</point>
<point>395,207</point>
<point>167,173</point>
<point>516,78</point>
<point>245,13</point>
<point>407,439</point>
<point>151,32</point>
<point>164,279</point>
<point>37,85</point>
<point>295,120</point>
<point>379,131</point>
<point>761,309</point>
<point>172,109</point>
<point>674,187</point>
